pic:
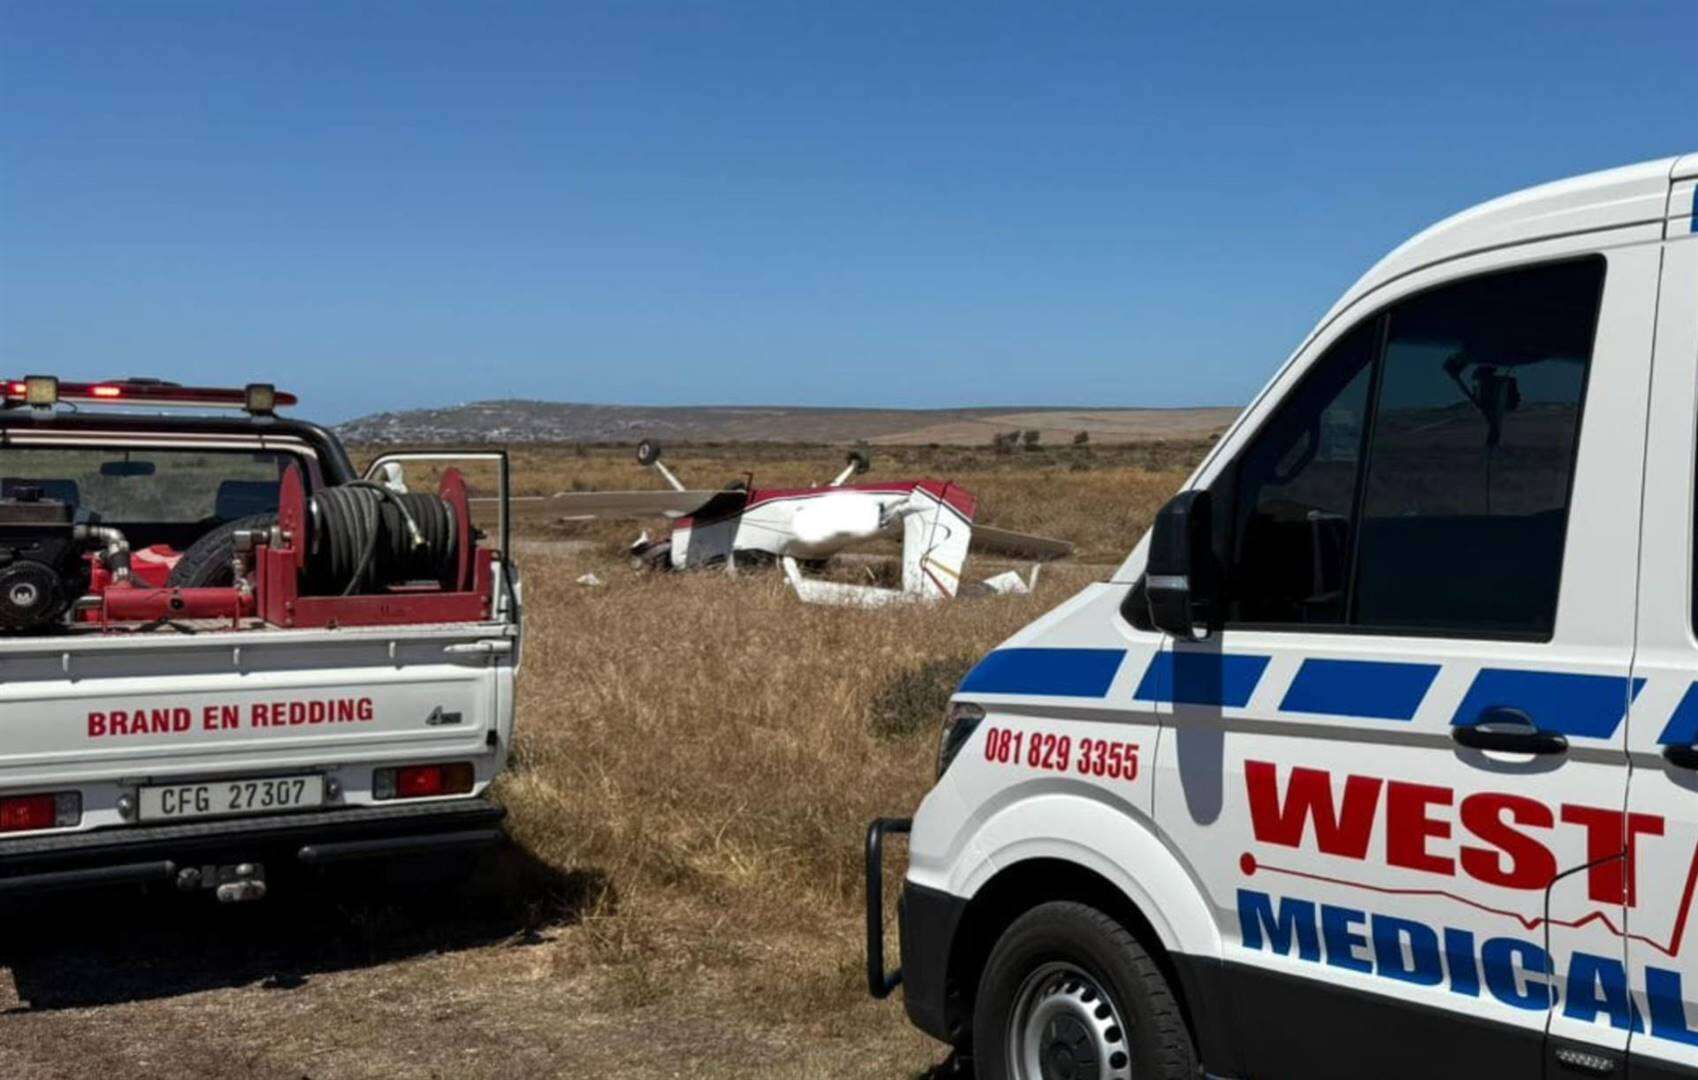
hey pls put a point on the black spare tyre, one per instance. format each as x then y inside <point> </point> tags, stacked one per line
<point>206,565</point>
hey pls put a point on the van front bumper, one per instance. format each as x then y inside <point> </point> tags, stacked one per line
<point>317,838</point>
<point>926,923</point>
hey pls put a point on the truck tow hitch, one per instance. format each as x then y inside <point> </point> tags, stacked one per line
<point>235,884</point>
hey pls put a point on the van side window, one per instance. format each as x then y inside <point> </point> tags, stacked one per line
<point>1472,452</point>
<point>1295,489</point>
<point>1418,478</point>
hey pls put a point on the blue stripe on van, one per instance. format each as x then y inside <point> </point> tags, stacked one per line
<point>1590,706</point>
<point>1055,672</point>
<point>1201,678</point>
<point>1682,728</point>
<point>1371,688</point>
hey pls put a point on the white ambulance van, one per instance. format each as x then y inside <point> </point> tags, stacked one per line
<point>1378,757</point>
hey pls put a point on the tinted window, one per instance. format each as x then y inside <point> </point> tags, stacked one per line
<point>1295,489</point>
<point>1418,478</point>
<point>1472,452</point>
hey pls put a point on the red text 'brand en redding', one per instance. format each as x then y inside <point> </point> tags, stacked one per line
<point>177,720</point>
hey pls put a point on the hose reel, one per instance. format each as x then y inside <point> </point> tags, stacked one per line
<point>365,538</point>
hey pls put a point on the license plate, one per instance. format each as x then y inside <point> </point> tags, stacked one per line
<point>224,798</point>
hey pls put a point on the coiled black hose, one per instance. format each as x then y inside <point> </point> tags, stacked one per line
<point>366,537</point>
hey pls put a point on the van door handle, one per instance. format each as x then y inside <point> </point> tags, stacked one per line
<point>1510,731</point>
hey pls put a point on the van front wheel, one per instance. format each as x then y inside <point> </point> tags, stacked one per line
<point>1068,994</point>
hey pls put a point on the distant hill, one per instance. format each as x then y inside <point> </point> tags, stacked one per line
<point>521,421</point>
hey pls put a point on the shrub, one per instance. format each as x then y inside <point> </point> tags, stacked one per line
<point>916,698</point>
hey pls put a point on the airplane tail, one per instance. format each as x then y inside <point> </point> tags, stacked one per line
<point>935,537</point>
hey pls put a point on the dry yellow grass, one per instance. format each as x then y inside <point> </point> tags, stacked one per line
<point>713,749</point>
<point>710,745</point>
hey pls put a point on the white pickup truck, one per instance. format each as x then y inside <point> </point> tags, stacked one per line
<point>225,657</point>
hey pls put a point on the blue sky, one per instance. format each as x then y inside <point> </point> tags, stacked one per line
<point>389,205</point>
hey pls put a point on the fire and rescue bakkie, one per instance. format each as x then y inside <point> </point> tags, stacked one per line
<point>225,656</point>
<point>1378,756</point>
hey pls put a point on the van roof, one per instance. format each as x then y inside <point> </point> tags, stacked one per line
<point>1633,194</point>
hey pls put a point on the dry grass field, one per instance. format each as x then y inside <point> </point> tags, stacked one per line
<point>698,756</point>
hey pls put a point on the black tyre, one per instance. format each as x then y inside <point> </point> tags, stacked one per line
<point>861,459</point>
<point>206,565</point>
<point>648,452</point>
<point>1068,994</point>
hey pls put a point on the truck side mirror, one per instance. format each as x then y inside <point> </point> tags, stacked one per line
<point>1180,578</point>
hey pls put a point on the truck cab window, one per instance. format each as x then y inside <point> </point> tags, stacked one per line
<point>1293,492</point>
<point>151,485</point>
<point>1465,507</point>
<point>157,495</point>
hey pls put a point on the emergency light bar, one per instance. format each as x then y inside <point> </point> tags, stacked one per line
<point>45,391</point>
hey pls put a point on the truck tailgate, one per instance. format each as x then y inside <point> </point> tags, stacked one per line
<point>104,708</point>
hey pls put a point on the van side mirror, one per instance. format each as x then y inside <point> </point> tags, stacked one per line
<point>1180,578</point>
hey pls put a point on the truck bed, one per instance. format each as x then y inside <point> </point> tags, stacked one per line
<point>107,713</point>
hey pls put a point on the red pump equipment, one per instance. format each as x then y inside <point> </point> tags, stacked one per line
<point>279,574</point>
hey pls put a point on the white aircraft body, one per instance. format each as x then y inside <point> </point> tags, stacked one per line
<point>802,527</point>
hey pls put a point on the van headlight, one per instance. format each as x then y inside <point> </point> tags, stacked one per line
<point>958,727</point>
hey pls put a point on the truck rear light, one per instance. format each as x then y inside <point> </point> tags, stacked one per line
<point>26,813</point>
<point>422,781</point>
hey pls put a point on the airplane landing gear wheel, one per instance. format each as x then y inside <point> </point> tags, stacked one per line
<point>648,452</point>
<point>656,556</point>
<point>1068,994</point>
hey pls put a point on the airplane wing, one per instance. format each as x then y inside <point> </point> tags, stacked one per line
<point>988,538</point>
<point>622,504</point>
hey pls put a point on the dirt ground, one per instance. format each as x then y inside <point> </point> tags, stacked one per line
<point>318,987</point>
<point>696,759</point>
